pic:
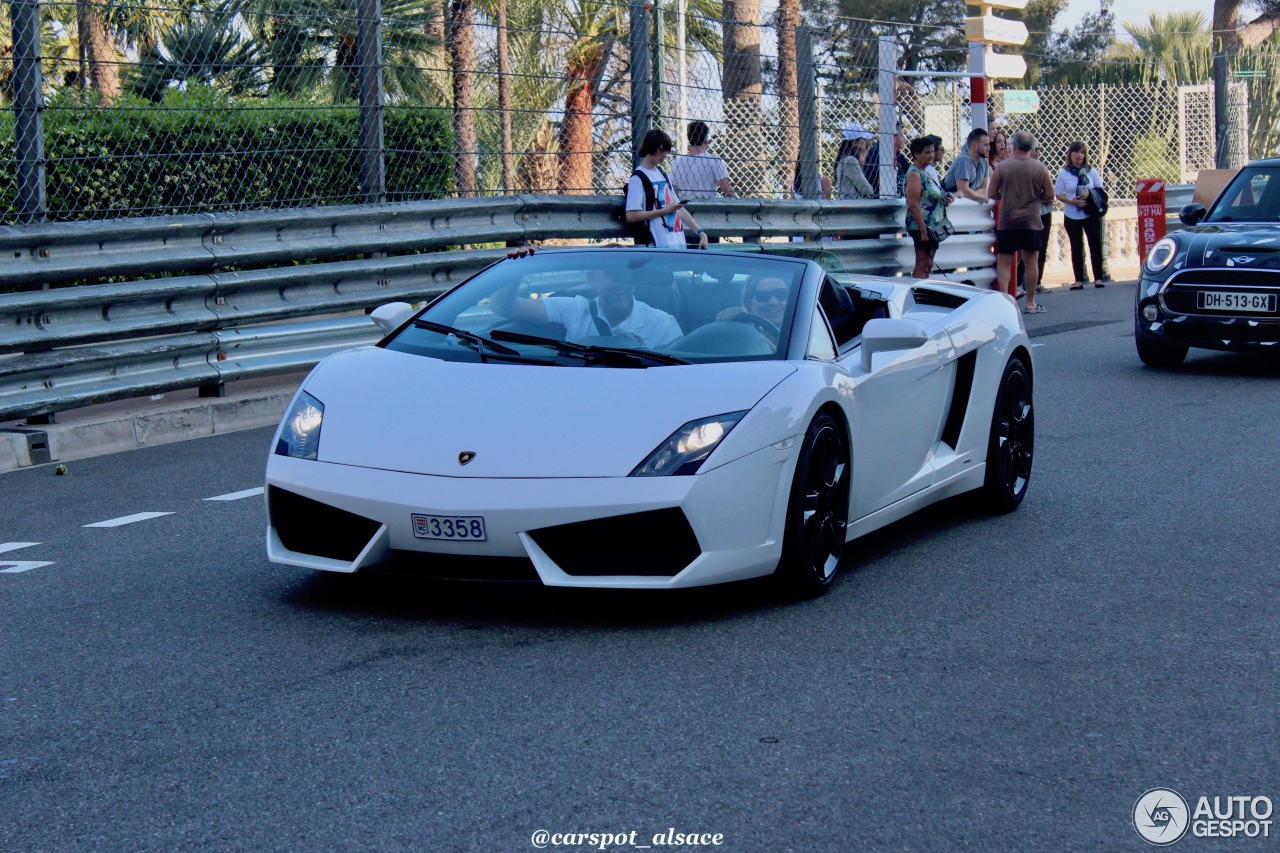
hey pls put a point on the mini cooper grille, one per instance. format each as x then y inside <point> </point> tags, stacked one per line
<point>1181,293</point>
<point>658,543</point>
<point>311,527</point>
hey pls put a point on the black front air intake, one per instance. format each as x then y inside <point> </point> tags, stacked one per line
<point>310,527</point>
<point>658,543</point>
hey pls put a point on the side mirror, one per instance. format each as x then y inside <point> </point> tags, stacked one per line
<point>888,335</point>
<point>389,317</point>
<point>1192,214</point>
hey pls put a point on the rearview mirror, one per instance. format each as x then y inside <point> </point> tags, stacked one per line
<point>1192,214</point>
<point>389,317</point>
<point>888,335</point>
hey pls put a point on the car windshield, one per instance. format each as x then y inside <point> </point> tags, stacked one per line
<point>614,308</point>
<point>1252,196</point>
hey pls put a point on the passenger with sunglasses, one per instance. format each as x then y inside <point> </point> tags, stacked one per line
<point>764,297</point>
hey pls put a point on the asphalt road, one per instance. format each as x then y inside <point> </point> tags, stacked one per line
<point>971,683</point>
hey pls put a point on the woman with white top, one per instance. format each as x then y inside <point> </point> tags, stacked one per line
<point>1075,180</point>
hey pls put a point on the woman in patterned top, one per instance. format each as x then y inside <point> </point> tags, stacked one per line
<point>926,206</point>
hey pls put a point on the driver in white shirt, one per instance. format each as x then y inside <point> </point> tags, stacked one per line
<point>614,312</point>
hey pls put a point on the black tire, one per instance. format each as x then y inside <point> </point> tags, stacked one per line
<point>818,512</point>
<point>1011,446</point>
<point>1159,355</point>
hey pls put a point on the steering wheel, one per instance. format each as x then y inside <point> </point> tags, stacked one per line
<point>770,331</point>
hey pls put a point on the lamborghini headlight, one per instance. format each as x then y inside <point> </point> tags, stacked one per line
<point>1161,254</point>
<point>688,447</point>
<point>300,432</point>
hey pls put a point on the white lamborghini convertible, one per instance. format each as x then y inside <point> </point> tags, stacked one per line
<point>651,419</point>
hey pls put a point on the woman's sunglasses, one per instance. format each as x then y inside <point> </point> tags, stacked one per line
<point>777,295</point>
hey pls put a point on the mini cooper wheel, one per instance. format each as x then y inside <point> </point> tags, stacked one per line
<point>1159,355</point>
<point>1011,447</point>
<point>818,511</point>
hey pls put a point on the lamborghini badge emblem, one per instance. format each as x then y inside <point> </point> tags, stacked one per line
<point>466,456</point>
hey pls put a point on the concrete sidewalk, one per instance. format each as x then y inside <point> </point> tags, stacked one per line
<point>146,421</point>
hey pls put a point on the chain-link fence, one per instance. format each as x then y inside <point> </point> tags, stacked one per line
<point>116,109</point>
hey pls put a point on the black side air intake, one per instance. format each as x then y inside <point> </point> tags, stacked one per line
<point>959,398</point>
<point>925,296</point>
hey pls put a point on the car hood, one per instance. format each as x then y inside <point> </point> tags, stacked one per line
<point>1240,244</point>
<point>401,412</point>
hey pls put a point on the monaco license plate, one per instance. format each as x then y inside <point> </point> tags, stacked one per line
<point>454,528</point>
<point>1231,300</point>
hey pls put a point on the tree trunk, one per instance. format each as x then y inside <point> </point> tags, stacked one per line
<point>1226,22</point>
<point>788,107</point>
<point>462,54</point>
<point>99,51</point>
<point>576,138</point>
<point>504,102</point>
<point>741,88</point>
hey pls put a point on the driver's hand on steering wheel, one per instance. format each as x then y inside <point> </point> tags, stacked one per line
<point>729,313</point>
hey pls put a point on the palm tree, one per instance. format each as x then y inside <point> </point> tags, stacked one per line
<point>1175,47</point>
<point>461,39</point>
<point>788,83</point>
<point>741,87</point>
<point>598,25</point>
<point>310,44</point>
<point>526,72</point>
<point>98,54</point>
<point>202,48</point>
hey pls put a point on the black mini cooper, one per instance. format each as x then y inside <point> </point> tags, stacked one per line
<point>1216,283</point>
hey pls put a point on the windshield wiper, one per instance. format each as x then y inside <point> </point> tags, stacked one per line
<point>480,341</point>
<point>590,353</point>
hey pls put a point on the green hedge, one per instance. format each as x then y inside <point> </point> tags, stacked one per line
<point>203,154</point>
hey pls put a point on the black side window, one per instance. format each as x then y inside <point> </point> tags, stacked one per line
<point>837,304</point>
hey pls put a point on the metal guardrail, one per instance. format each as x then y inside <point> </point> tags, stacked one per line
<point>67,347</point>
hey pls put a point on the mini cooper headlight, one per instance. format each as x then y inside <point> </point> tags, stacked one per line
<point>688,447</point>
<point>300,432</point>
<point>1161,254</point>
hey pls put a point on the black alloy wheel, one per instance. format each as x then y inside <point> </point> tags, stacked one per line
<point>818,512</point>
<point>1158,355</point>
<point>1011,447</point>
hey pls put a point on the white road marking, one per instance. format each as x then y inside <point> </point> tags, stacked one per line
<point>126,519</point>
<point>15,566</point>
<point>1033,346</point>
<point>235,496</point>
<point>14,546</point>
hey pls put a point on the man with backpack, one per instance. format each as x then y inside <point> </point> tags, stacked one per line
<point>655,215</point>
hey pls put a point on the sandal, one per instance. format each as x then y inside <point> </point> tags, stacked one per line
<point>1079,285</point>
<point>1038,309</point>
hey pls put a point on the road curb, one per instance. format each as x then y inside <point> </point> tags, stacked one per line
<point>145,424</point>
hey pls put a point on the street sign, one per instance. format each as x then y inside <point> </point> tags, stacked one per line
<point>1000,4</point>
<point>1003,66</point>
<point>1021,101</point>
<point>1250,74</point>
<point>1151,213</point>
<point>995,30</point>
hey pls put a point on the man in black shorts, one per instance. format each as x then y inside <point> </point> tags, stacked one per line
<point>1021,184</point>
